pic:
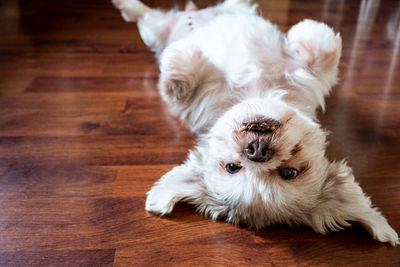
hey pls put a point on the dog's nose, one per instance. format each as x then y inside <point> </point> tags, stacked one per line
<point>258,151</point>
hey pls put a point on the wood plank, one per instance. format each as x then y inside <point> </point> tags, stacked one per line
<point>59,258</point>
<point>89,84</point>
<point>124,150</point>
<point>78,181</point>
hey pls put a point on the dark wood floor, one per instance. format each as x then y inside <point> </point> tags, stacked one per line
<point>84,135</point>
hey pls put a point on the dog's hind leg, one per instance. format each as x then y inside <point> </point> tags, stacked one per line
<point>183,69</point>
<point>154,25</point>
<point>131,10</point>
<point>191,84</point>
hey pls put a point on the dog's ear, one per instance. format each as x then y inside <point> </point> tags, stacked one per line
<point>182,183</point>
<point>342,201</point>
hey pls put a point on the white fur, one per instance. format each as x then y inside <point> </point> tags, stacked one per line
<point>131,10</point>
<point>224,65</point>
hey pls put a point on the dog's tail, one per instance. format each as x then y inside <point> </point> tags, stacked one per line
<point>131,10</point>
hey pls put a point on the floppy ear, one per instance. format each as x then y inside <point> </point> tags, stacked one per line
<point>342,200</point>
<point>184,182</point>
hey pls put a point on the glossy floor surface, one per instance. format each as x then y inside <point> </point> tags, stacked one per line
<point>84,135</point>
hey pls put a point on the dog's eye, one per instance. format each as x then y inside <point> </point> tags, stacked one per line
<point>232,168</point>
<point>288,173</point>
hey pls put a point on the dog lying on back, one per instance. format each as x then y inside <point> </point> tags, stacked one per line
<point>251,94</point>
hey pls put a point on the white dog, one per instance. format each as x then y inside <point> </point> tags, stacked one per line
<point>251,93</point>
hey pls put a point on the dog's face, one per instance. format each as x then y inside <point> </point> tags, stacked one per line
<point>264,162</point>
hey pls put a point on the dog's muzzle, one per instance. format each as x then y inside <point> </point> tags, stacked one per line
<point>261,125</point>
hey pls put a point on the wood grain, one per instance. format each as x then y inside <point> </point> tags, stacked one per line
<point>84,135</point>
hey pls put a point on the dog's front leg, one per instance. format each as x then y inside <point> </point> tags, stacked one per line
<point>192,86</point>
<point>317,48</point>
<point>183,70</point>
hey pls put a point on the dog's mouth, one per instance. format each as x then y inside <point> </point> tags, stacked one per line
<point>260,125</point>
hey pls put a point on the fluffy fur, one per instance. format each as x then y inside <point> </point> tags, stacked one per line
<point>224,66</point>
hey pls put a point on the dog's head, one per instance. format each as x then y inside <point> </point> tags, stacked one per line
<point>264,162</point>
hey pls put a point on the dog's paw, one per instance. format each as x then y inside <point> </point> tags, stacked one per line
<point>183,69</point>
<point>385,233</point>
<point>175,89</point>
<point>314,44</point>
<point>118,3</point>
<point>159,200</point>
<point>131,10</point>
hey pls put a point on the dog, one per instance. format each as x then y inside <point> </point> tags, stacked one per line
<point>251,94</point>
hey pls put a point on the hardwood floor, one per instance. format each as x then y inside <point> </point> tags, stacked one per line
<point>84,135</point>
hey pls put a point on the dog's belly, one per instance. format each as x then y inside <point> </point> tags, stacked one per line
<point>227,40</point>
<point>187,22</point>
